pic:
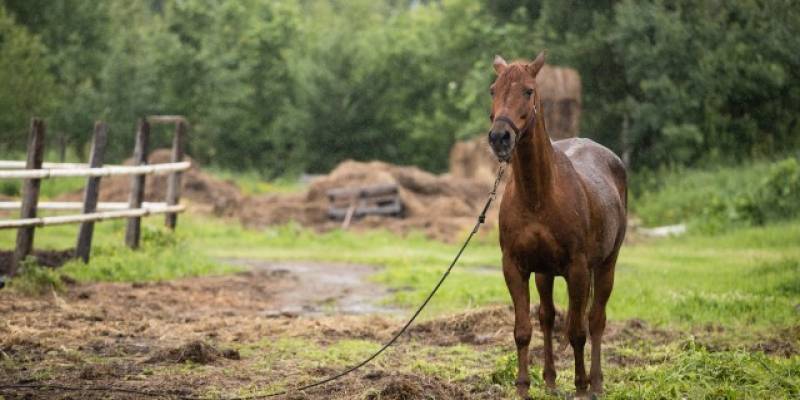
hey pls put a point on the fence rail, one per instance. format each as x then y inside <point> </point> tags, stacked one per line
<point>76,205</point>
<point>91,217</point>
<point>34,170</point>
<point>56,172</point>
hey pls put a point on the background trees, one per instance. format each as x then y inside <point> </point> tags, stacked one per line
<point>284,87</point>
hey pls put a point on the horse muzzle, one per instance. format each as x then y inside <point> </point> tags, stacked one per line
<point>502,143</point>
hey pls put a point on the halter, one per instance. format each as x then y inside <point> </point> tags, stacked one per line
<point>517,131</point>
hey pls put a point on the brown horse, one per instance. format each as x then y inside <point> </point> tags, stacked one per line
<point>562,214</point>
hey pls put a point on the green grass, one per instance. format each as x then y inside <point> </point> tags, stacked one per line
<point>679,370</point>
<point>743,277</point>
<point>162,255</point>
<point>251,183</point>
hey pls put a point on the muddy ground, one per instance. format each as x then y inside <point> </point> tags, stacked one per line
<point>269,327</point>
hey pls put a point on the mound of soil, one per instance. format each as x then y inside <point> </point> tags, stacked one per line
<point>205,192</point>
<point>415,387</point>
<point>440,205</point>
<point>196,351</point>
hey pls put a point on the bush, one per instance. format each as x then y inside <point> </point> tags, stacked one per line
<point>773,198</point>
<point>776,197</point>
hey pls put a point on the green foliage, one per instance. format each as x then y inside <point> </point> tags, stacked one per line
<point>10,188</point>
<point>776,196</point>
<point>284,87</point>
<point>720,198</point>
<point>163,255</point>
<point>26,87</point>
<point>33,280</point>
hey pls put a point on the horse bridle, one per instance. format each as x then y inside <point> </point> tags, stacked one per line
<point>517,131</point>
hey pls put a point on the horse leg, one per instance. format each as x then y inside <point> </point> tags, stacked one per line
<point>547,316</point>
<point>518,286</point>
<point>578,291</point>
<point>603,283</point>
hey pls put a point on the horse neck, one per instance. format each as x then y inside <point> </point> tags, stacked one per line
<point>533,164</point>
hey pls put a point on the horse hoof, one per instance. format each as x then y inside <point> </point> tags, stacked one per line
<point>523,389</point>
<point>582,396</point>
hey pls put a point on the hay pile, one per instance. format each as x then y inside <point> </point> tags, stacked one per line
<point>560,92</point>
<point>441,206</point>
<point>205,193</point>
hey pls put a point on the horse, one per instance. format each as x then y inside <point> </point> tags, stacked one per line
<point>563,213</point>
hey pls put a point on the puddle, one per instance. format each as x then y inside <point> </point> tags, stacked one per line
<point>319,288</point>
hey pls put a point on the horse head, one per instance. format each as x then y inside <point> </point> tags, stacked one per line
<point>515,101</point>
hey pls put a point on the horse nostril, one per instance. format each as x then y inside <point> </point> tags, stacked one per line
<point>506,137</point>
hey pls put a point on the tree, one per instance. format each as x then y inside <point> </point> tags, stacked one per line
<point>26,87</point>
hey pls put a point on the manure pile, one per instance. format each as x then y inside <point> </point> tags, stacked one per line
<point>440,205</point>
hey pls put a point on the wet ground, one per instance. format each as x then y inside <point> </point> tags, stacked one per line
<point>271,327</point>
<point>322,288</point>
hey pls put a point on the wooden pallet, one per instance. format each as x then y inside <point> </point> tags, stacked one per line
<point>349,203</point>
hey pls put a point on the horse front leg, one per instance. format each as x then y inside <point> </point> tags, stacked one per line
<point>519,287</point>
<point>578,291</point>
<point>547,317</point>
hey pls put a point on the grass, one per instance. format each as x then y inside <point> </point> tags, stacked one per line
<point>251,183</point>
<point>680,370</point>
<point>743,277</point>
<point>162,256</point>
<point>742,284</point>
<point>674,196</point>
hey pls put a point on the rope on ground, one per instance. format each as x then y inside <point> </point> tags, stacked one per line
<point>478,223</point>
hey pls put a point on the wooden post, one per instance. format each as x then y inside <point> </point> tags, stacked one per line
<point>174,179</point>
<point>84,244</point>
<point>134,229</point>
<point>30,193</point>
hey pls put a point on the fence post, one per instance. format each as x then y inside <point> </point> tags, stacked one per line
<point>174,179</point>
<point>30,193</point>
<point>84,244</point>
<point>134,229</point>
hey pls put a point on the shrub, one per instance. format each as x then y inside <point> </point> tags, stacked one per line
<point>776,197</point>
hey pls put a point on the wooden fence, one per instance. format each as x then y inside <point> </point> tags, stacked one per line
<point>33,170</point>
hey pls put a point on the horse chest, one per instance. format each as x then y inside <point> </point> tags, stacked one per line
<point>536,248</point>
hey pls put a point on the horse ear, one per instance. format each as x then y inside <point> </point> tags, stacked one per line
<point>499,64</point>
<point>534,66</point>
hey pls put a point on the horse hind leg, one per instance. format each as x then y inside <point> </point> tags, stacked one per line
<point>519,287</point>
<point>578,291</point>
<point>547,316</point>
<point>603,283</point>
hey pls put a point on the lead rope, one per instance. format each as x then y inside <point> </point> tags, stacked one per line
<point>478,223</point>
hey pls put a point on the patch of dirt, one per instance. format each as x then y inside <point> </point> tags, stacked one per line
<point>196,351</point>
<point>92,372</point>
<point>47,258</point>
<point>415,387</point>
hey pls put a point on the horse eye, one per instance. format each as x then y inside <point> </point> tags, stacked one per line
<point>491,117</point>
<point>528,92</point>
<point>491,92</point>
